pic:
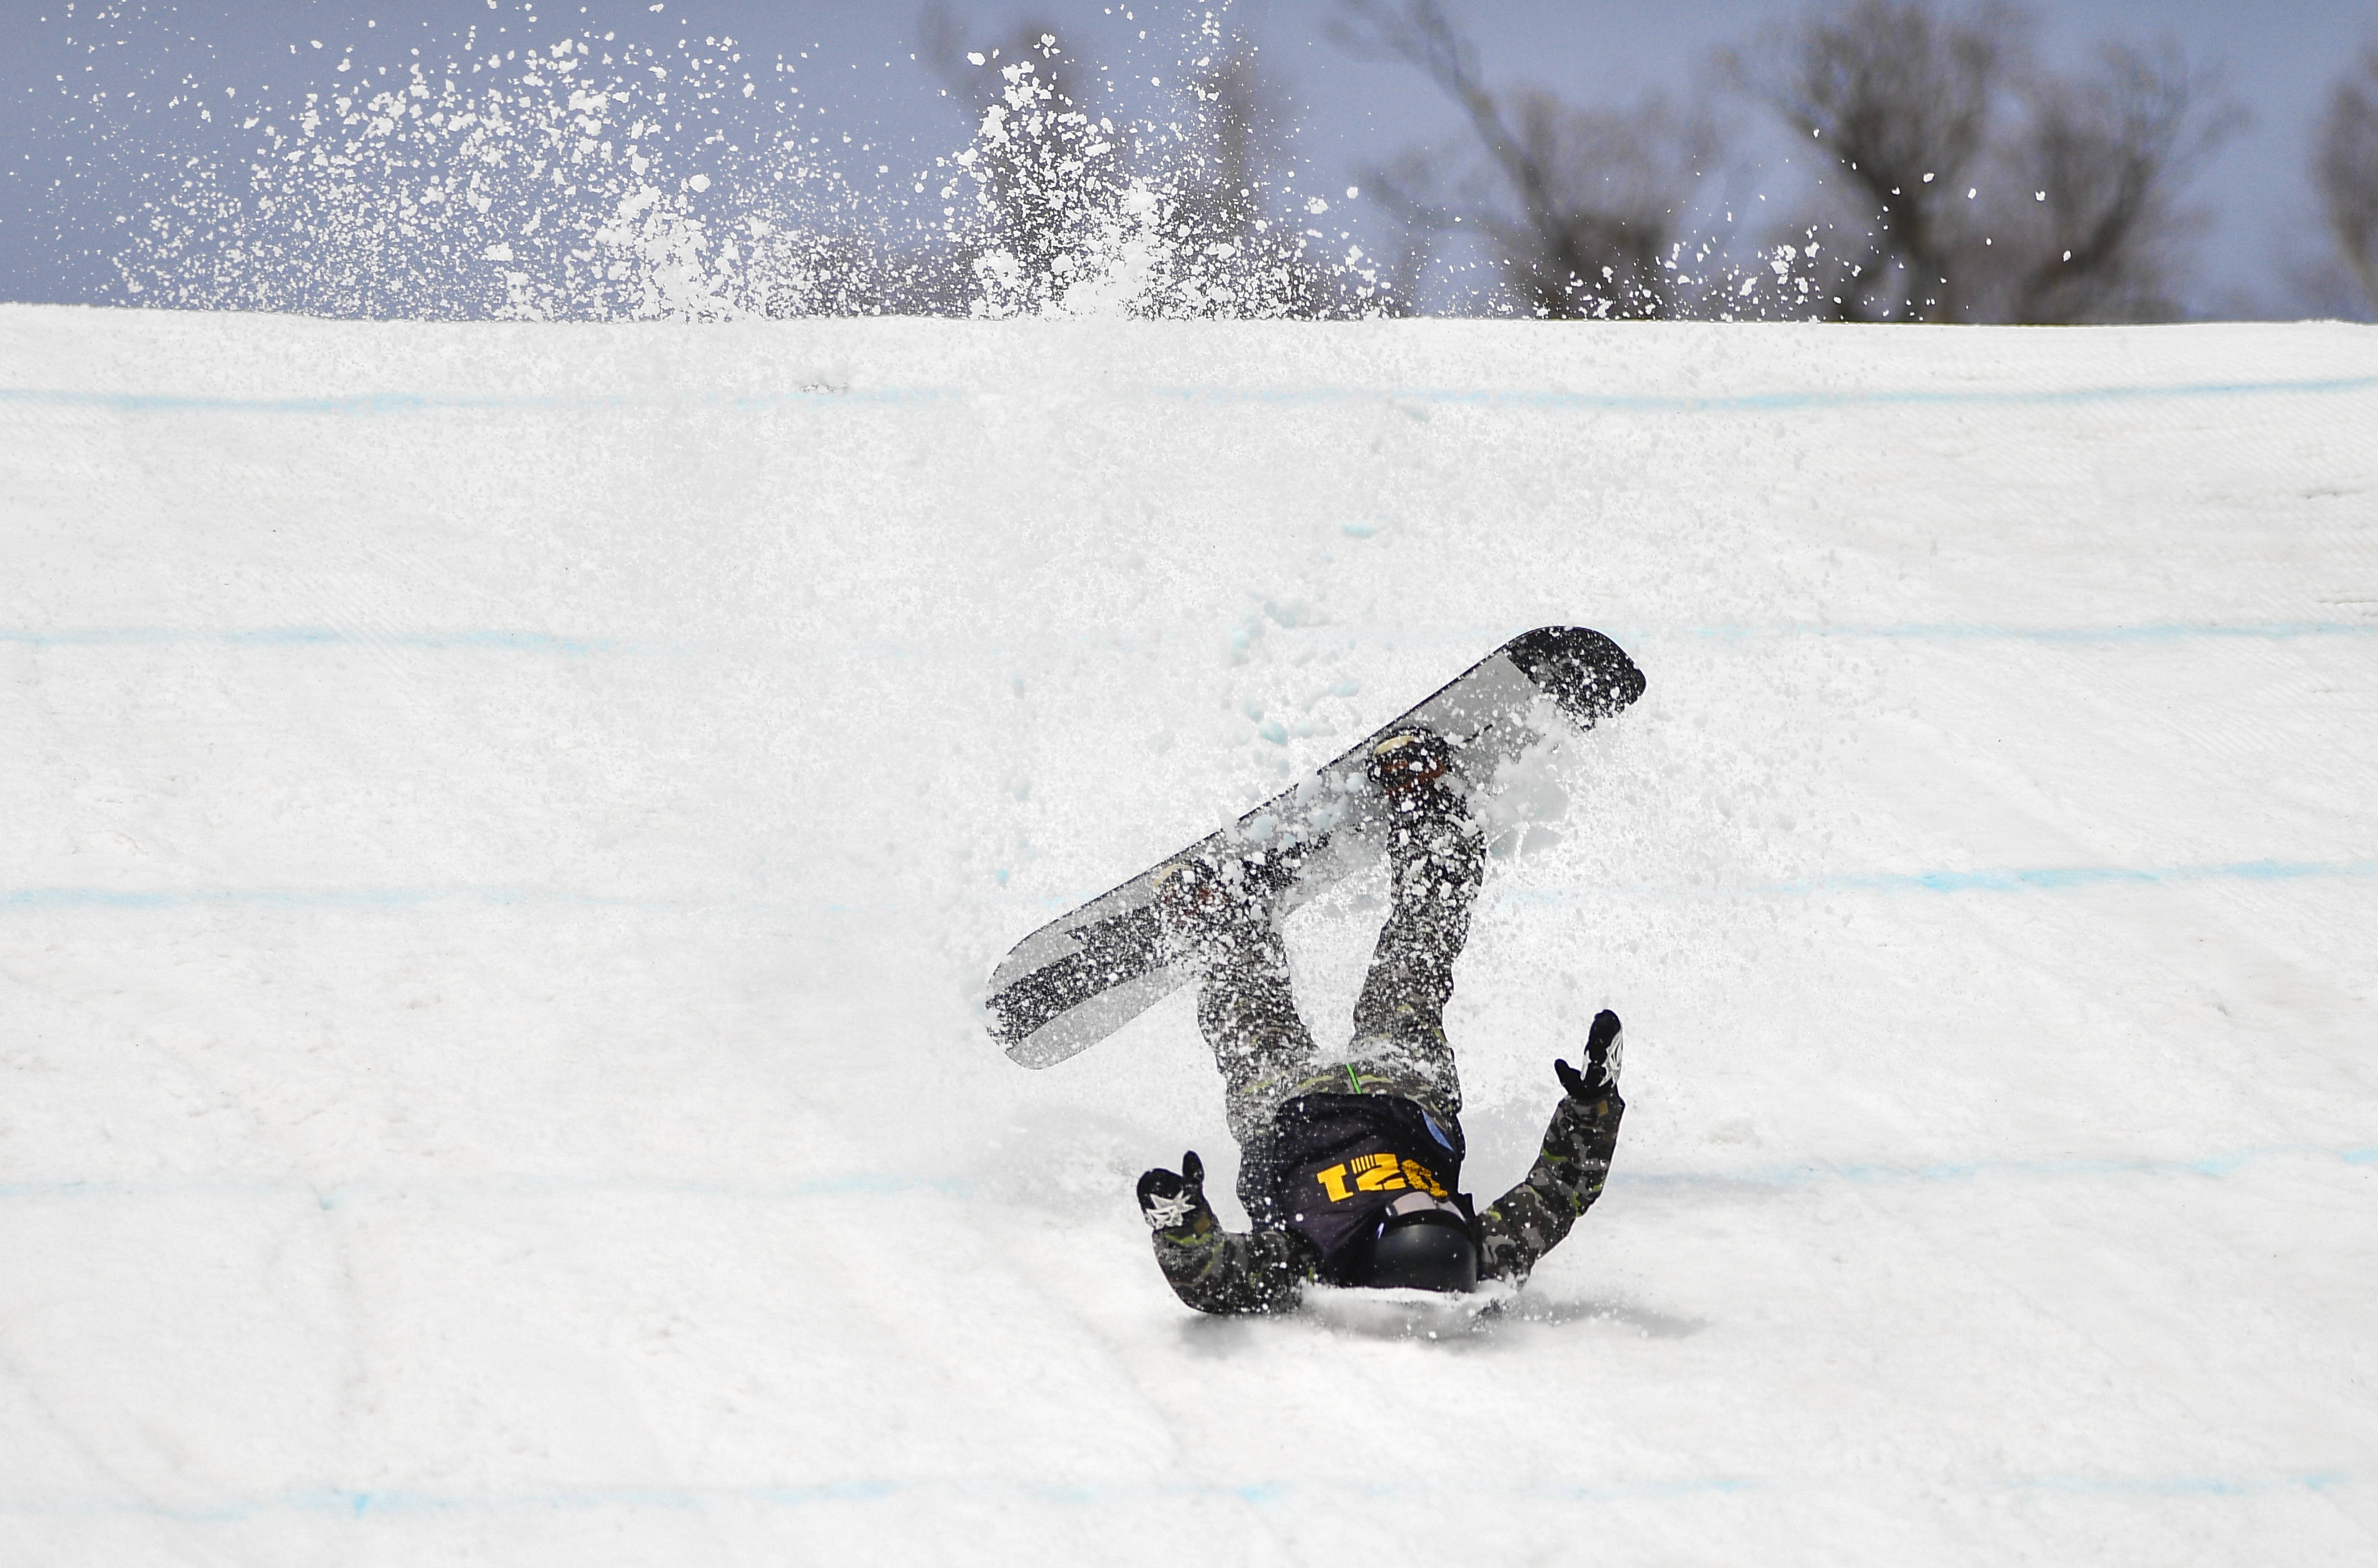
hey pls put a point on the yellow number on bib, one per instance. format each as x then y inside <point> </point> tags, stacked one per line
<point>1378,1173</point>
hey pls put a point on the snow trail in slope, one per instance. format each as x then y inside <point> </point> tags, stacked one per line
<point>505,825</point>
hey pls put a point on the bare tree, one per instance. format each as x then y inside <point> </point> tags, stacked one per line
<point>2345,164</point>
<point>1917,110</point>
<point>2112,154</point>
<point>1581,205</point>
<point>1901,102</point>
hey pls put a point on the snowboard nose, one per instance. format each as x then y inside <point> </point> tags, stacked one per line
<point>1587,674</point>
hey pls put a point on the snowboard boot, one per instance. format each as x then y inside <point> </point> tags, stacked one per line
<point>1414,770</point>
<point>1203,916</point>
<point>1429,818</point>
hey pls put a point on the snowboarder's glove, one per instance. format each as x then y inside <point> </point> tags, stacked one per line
<point>1176,1203</point>
<point>1601,1051</point>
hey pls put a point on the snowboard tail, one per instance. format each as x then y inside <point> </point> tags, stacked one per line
<point>1086,973</point>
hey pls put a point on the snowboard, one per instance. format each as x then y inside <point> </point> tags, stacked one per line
<point>1083,976</point>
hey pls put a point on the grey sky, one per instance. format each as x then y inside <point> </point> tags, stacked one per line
<point>65,159</point>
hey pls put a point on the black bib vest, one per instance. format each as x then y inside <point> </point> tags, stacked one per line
<point>1337,1165</point>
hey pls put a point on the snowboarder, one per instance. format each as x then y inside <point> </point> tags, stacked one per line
<point>1350,1170</point>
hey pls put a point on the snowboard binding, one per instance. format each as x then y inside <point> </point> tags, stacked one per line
<point>1201,910</point>
<point>1412,768</point>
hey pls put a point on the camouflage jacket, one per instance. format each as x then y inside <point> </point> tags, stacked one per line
<point>1215,1270</point>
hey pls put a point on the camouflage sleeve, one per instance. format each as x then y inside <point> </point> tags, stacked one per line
<point>1533,1217</point>
<point>1226,1271</point>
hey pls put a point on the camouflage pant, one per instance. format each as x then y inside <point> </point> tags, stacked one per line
<point>1247,1011</point>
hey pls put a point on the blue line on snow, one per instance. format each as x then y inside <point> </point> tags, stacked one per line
<point>2039,878</point>
<point>2182,1486</point>
<point>360,1505</point>
<point>863,1184</point>
<point>2215,1166</point>
<point>370,404</point>
<point>311,636</point>
<point>2152,631</point>
<point>500,641</point>
<point>312,898</point>
<point>367,404</point>
<point>1761,402</point>
<point>2057,879</point>
<point>2021,878</point>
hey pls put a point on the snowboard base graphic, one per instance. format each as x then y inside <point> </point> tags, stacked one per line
<point>1086,973</point>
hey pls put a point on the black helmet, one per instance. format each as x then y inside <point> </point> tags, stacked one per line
<point>1432,1250</point>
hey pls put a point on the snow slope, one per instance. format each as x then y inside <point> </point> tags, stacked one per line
<point>500,827</point>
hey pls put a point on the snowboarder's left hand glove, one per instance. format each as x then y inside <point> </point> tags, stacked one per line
<point>1176,1203</point>
<point>1602,1051</point>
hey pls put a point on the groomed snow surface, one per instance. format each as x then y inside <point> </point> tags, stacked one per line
<point>501,830</point>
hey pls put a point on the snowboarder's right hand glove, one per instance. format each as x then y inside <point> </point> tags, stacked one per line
<point>1176,1203</point>
<point>1602,1051</point>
